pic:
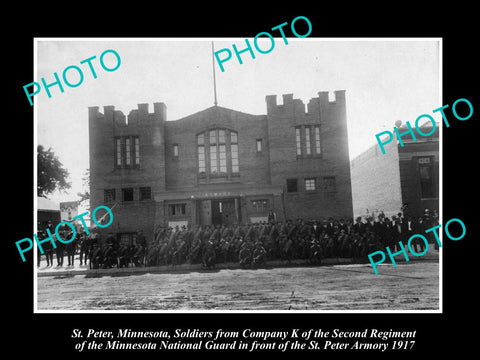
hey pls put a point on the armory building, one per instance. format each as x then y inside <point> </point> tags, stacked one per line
<point>220,166</point>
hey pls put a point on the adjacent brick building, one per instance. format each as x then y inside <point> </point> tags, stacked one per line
<point>403,175</point>
<point>220,166</point>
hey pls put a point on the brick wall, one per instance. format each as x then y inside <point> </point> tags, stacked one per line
<point>332,162</point>
<point>181,172</point>
<point>410,175</point>
<point>149,127</point>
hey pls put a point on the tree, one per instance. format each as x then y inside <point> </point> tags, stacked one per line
<point>86,184</point>
<point>51,174</point>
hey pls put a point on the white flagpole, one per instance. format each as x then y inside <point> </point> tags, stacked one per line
<point>214,79</point>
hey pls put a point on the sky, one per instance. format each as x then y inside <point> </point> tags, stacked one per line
<point>385,80</point>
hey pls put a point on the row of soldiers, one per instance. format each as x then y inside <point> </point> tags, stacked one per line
<point>250,245</point>
<point>91,249</point>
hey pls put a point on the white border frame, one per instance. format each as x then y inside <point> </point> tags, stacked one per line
<point>290,312</point>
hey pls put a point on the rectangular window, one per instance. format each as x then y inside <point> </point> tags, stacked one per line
<point>128,152</point>
<point>318,149</point>
<point>127,194</point>
<point>145,193</point>
<point>292,185</point>
<point>260,205</point>
<point>426,177</point>
<point>307,141</point>
<point>310,184</point>
<point>217,153</point>
<point>126,238</point>
<point>109,195</point>
<point>201,160</point>
<point>213,137</point>
<point>177,209</point>
<point>213,160</point>
<point>233,137</point>
<point>235,166</point>
<point>329,184</point>
<point>298,141</point>
<point>221,136</point>
<point>201,139</point>
<point>175,150</point>
<point>136,149</point>
<point>118,152</point>
<point>259,145</point>
<point>222,152</point>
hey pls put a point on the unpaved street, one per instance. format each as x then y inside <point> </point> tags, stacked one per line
<point>409,286</point>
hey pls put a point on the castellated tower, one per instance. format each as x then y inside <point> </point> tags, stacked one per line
<point>127,164</point>
<point>320,161</point>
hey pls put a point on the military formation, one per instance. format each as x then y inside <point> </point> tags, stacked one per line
<point>250,245</point>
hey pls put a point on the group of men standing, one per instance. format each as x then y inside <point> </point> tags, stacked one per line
<point>90,248</point>
<point>249,245</point>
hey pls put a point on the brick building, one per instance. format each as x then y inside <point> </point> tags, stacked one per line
<point>403,175</point>
<point>220,166</point>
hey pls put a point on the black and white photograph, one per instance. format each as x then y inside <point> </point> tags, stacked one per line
<point>179,179</point>
<point>218,180</point>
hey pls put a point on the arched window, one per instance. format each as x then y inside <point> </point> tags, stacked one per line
<point>217,151</point>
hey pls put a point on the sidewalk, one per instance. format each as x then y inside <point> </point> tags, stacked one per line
<point>78,269</point>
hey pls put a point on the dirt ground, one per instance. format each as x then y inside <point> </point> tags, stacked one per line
<point>409,286</point>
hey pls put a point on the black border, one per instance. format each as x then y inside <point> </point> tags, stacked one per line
<point>49,334</point>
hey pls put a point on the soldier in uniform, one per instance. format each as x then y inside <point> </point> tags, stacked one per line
<point>429,222</point>
<point>123,255</point>
<point>419,229</point>
<point>359,226</point>
<point>315,253</point>
<point>209,255</point>
<point>41,235</point>
<point>344,244</point>
<point>84,245</point>
<point>109,256</point>
<point>48,250</point>
<point>327,245</point>
<point>259,254</point>
<point>138,254</point>
<point>60,250</point>
<point>245,255</point>
<point>272,217</point>
<point>370,241</point>
<point>47,246</point>
<point>71,248</point>
<point>95,256</point>
<point>141,240</point>
<point>342,226</point>
<point>111,241</point>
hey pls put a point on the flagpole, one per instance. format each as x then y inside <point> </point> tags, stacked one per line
<point>214,79</point>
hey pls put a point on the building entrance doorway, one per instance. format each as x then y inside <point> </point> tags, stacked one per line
<point>219,212</point>
<point>223,212</point>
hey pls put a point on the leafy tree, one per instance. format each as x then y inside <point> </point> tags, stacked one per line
<point>51,174</point>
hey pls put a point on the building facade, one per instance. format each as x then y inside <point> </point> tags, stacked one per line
<point>47,210</point>
<point>220,166</point>
<point>68,210</point>
<point>403,175</point>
